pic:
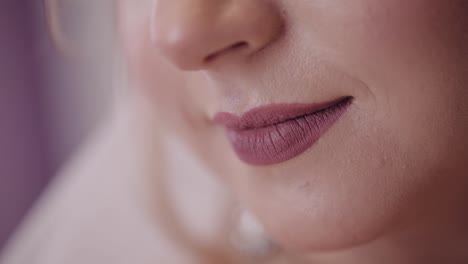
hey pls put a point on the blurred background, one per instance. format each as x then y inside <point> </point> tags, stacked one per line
<point>49,103</point>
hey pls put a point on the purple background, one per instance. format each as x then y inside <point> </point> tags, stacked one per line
<point>48,103</point>
<point>25,167</point>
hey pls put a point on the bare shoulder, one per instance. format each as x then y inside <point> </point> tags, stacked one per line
<point>96,211</point>
<point>92,213</point>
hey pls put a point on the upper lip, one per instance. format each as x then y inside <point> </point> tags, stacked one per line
<point>269,115</point>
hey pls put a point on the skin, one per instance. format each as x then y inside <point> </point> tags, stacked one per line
<point>387,181</point>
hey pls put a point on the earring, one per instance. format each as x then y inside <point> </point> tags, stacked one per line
<point>249,237</point>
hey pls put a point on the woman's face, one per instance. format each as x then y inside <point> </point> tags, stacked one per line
<point>389,157</point>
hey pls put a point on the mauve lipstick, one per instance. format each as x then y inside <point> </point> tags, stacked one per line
<point>276,133</point>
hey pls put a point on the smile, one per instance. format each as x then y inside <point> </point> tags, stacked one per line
<point>276,133</point>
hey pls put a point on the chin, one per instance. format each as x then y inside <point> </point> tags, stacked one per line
<point>325,232</point>
<point>326,201</point>
<point>319,219</point>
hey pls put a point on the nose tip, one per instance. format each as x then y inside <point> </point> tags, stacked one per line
<point>194,34</point>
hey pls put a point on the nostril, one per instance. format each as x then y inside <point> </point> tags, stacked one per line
<point>240,44</point>
<point>233,48</point>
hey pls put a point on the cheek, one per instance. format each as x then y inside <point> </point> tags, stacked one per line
<point>412,56</point>
<point>177,98</point>
<point>149,74</point>
<point>147,71</point>
<point>374,40</point>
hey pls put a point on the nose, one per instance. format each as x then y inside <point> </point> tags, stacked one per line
<point>194,34</point>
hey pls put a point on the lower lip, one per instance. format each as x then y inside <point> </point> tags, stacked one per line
<point>285,140</point>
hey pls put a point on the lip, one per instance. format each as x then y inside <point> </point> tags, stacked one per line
<point>276,133</point>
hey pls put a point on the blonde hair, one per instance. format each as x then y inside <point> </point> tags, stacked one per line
<point>56,32</point>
